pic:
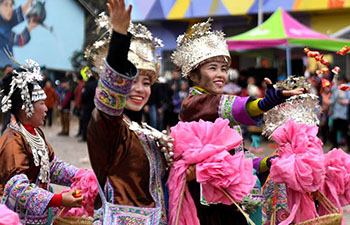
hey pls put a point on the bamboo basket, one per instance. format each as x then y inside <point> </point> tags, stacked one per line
<point>72,220</point>
<point>333,218</point>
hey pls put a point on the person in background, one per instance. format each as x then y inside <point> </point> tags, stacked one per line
<point>325,101</point>
<point>173,89</point>
<point>255,131</point>
<point>180,96</point>
<point>50,101</point>
<point>340,101</point>
<point>87,100</point>
<point>232,87</point>
<point>64,99</point>
<point>78,105</point>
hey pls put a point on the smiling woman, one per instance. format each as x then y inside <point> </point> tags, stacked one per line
<point>139,92</point>
<point>124,152</point>
<point>27,162</point>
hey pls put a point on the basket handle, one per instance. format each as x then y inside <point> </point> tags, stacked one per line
<point>180,201</point>
<point>325,202</point>
<point>274,205</point>
<point>61,211</point>
<point>239,208</point>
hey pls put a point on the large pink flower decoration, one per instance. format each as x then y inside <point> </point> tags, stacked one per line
<point>200,139</point>
<point>336,186</point>
<point>84,180</point>
<point>198,143</point>
<point>234,173</point>
<point>300,165</point>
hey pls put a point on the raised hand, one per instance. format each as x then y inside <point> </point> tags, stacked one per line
<point>119,15</point>
<point>287,93</point>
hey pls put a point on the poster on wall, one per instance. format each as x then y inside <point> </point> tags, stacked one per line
<point>45,31</point>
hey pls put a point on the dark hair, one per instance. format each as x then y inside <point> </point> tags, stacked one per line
<point>16,99</point>
<point>198,73</point>
<point>7,65</point>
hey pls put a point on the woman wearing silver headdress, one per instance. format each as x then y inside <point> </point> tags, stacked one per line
<point>204,58</point>
<point>27,162</point>
<point>124,152</point>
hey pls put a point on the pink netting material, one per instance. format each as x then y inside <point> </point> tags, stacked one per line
<point>300,165</point>
<point>206,144</point>
<point>84,180</point>
<point>8,217</point>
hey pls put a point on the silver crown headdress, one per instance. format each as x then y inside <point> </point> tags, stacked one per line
<point>142,46</point>
<point>301,108</point>
<point>30,75</point>
<point>198,45</point>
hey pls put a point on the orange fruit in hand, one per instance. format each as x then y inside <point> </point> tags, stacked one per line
<point>77,194</point>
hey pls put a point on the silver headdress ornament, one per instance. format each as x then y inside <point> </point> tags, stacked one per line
<point>30,75</point>
<point>142,46</point>
<point>198,45</point>
<point>301,108</point>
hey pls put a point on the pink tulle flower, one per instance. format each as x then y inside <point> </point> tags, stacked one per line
<point>234,173</point>
<point>84,180</point>
<point>300,165</point>
<point>8,217</point>
<point>206,144</point>
<point>336,186</point>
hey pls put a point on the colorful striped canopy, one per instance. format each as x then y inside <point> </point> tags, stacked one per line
<point>281,29</point>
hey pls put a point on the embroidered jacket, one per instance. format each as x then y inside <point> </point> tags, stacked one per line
<point>130,165</point>
<point>19,184</point>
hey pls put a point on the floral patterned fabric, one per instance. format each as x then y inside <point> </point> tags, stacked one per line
<point>62,172</point>
<point>28,200</point>
<point>112,90</point>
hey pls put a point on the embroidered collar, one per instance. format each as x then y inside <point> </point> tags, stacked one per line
<point>195,90</point>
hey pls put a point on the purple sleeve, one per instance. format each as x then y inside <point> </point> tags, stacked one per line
<point>233,108</point>
<point>62,172</point>
<point>256,164</point>
<point>24,197</point>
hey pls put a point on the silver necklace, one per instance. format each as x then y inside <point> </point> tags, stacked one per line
<point>163,141</point>
<point>40,153</point>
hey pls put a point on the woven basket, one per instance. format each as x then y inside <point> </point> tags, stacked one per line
<point>333,218</point>
<point>72,220</point>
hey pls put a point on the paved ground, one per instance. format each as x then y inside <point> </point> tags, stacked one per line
<point>74,152</point>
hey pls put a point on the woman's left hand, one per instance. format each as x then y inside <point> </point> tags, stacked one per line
<point>287,93</point>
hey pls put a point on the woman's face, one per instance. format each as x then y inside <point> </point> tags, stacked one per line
<point>39,114</point>
<point>213,76</point>
<point>6,9</point>
<point>139,94</point>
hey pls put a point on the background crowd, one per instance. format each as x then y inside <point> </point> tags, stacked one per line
<point>72,96</point>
